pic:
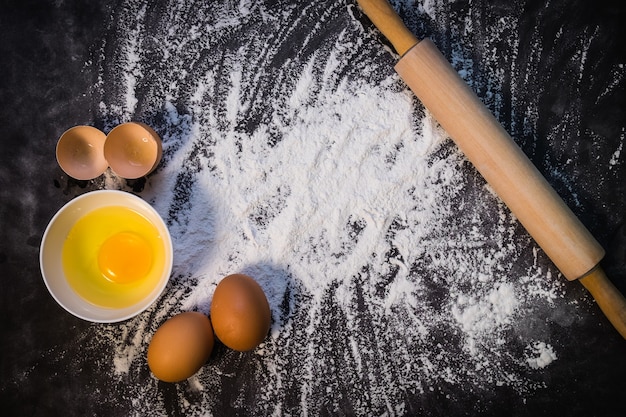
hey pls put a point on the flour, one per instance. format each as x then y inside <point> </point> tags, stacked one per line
<point>540,355</point>
<point>616,154</point>
<point>479,318</point>
<point>386,261</point>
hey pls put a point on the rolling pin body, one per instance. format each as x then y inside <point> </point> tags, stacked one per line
<point>499,160</point>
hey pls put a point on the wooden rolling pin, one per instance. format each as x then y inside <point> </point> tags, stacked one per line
<point>499,160</point>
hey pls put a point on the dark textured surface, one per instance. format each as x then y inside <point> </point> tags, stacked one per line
<point>554,76</point>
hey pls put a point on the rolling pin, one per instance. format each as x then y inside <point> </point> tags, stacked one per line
<point>487,145</point>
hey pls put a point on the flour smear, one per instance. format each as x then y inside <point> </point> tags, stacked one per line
<point>303,161</point>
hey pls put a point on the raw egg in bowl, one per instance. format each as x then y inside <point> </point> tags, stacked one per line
<point>106,256</point>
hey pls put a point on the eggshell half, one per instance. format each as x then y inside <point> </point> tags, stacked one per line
<point>133,150</point>
<point>240,312</point>
<point>80,152</point>
<point>180,346</point>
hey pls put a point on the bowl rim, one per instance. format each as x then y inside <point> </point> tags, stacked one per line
<point>105,314</point>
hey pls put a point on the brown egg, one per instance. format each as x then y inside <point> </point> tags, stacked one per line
<point>180,346</point>
<point>133,150</point>
<point>80,152</point>
<point>240,312</point>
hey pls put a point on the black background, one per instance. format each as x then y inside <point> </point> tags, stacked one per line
<point>46,87</point>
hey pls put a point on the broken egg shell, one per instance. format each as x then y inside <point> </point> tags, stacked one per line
<point>80,152</point>
<point>133,150</point>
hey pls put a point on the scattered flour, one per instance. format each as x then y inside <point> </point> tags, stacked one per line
<point>616,155</point>
<point>480,318</point>
<point>540,355</point>
<point>387,263</point>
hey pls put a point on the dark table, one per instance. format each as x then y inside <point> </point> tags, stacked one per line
<point>437,305</point>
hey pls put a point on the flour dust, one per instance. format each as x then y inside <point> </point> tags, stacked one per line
<point>294,154</point>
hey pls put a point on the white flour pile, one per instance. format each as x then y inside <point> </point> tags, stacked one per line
<point>387,263</point>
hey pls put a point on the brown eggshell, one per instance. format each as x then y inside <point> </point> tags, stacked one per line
<point>240,312</point>
<point>133,150</point>
<point>80,152</point>
<point>180,346</point>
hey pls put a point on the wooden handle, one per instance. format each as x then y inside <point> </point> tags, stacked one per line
<point>610,300</point>
<point>384,17</point>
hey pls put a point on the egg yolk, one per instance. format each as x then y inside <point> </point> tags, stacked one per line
<point>125,257</point>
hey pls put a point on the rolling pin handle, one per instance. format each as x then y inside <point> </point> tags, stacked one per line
<point>610,300</point>
<point>385,18</point>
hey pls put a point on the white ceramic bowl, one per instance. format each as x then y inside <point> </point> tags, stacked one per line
<point>50,255</point>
